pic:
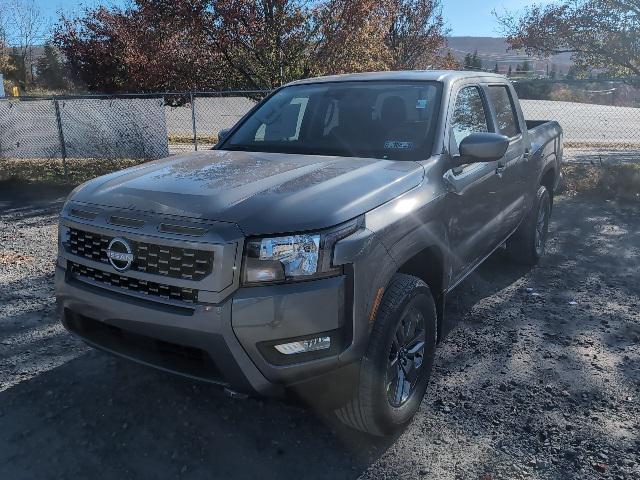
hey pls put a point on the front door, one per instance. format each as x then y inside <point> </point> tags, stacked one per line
<point>474,187</point>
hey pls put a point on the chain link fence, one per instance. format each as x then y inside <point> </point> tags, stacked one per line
<point>70,138</point>
<point>60,137</point>
<point>600,118</point>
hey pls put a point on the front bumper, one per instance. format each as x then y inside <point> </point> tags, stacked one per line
<point>225,343</point>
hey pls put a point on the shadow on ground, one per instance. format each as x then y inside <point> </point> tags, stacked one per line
<point>514,393</point>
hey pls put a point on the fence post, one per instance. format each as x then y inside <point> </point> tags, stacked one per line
<point>193,121</point>
<point>63,148</point>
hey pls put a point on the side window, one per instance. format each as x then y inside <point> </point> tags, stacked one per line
<point>468,114</point>
<point>507,120</point>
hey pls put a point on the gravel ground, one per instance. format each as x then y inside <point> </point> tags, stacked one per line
<point>540,379</point>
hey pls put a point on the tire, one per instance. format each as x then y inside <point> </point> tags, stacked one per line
<point>378,406</point>
<point>527,244</point>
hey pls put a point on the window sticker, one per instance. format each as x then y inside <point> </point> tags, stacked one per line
<point>422,103</point>
<point>397,145</point>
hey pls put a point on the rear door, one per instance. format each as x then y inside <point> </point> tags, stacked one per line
<point>509,168</point>
<point>475,187</point>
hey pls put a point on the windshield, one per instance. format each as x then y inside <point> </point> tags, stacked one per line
<point>388,120</point>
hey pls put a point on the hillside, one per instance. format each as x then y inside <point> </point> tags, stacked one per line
<point>492,50</point>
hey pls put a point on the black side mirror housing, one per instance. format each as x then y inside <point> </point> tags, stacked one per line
<point>483,147</point>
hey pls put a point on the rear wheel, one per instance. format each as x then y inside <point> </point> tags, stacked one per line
<point>527,245</point>
<point>397,365</point>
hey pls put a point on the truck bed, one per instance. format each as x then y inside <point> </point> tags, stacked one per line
<point>542,132</point>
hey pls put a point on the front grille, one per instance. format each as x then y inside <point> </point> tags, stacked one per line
<point>174,262</point>
<point>153,289</point>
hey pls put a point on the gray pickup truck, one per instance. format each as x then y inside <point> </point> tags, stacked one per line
<point>312,249</point>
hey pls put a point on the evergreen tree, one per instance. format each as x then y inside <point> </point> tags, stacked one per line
<point>468,64</point>
<point>475,61</point>
<point>17,71</point>
<point>50,70</point>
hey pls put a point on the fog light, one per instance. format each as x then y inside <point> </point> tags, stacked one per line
<point>311,345</point>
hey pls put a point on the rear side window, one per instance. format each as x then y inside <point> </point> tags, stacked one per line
<point>505,110</point>
<point>469,115</point>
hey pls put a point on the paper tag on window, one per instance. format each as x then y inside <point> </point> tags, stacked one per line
<point>422,103</point>
<point>397,145</point>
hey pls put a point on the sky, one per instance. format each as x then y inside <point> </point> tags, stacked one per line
<point>474,18</point>
<point>464,17</point>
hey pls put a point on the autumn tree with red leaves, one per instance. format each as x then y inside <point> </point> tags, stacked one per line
<point>158,45</point>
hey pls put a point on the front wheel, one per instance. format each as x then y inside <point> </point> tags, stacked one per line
<point>397,365</point>
<point>528,243</point>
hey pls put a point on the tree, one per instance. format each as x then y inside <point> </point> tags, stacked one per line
<point>213,44</point>
<point>366,35</point>
<point>526,66</point>
<point>600,34</point>
<point>416,35</point>
<point>4,46</point>
<point>51,72</point>
<point>24,27</point>
<point>468,62</point>
<point>476,63</point>
<point>16,71</point>
<point>155,45</point>
<point>577,72</point>
<point>351,37</point>
<point>472,62</point>
<point>496,69</point>
<point>449,62</point>
<point>510,71</point>
<point>265,42</point>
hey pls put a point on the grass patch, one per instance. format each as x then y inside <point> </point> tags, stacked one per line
<point>611,181</point>
<point>182,139</point>
<point>51,170</point>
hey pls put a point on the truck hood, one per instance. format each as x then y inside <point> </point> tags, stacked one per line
<point>260,192</point>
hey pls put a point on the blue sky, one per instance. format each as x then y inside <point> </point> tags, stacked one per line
<point>473,18</point>
<point>464,17</point>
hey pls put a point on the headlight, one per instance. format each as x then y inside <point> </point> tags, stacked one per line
<point>292,258</point>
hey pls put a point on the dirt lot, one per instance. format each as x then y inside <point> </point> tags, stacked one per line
<point>540,379</point>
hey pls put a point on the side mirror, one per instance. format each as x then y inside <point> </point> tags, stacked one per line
<point>483,147</point>
<point>222,134</point>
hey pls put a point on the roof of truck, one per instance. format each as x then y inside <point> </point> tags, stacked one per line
<point>411,75</point>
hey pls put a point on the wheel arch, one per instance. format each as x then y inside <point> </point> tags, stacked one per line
<point>424,253</point>
<point>428,265</point>
<point>549,174</point>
